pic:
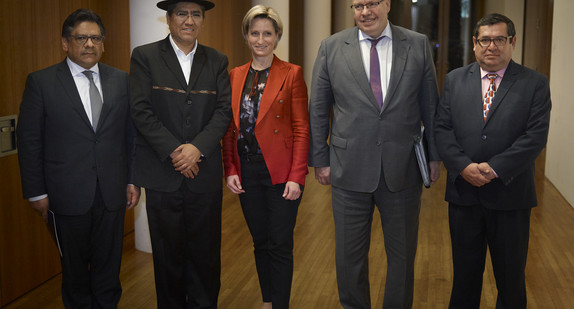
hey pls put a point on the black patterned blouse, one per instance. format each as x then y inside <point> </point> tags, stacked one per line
<point>250,100</point>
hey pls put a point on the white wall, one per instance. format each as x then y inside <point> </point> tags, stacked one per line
<point>560,148</point>
<point>317,21</point>
<point>147,22</point>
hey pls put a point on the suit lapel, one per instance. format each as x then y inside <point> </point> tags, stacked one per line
<point>199,60</point>
<point>277,75</point>
<point>107,90</point>
<point>474,103</point>
<point>507,82</point>
<point>238,82</point>
<point>171,62</point>
<point>400,52</point>
<point>69,85</point>
<point>352,52</point>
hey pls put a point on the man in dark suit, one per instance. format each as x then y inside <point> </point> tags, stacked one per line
<point>379,96</point>
<point>489,133</point>
<point>181,106</point>
<point>75,146</point>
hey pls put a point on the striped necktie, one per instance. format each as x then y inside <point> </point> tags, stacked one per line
<point>489,95</point>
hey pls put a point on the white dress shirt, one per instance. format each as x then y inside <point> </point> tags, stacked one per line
<point>185,61</point>
<point>385,52</point>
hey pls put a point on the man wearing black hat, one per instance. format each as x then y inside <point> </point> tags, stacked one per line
<point>180,97</point>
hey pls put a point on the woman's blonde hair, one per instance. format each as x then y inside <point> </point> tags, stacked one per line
<point>261,11</point>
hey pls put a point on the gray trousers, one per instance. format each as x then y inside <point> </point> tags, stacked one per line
<point>353,213</point>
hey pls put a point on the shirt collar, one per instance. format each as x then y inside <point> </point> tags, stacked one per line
<point>76,69</point>
<point>500,73</point>
<point>386,32</point>
<point>178,51</point>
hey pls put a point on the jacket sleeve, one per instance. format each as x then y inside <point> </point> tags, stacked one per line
<point>229,141</point>
<point>428,101</point>
<point>320,104</point>
<point>31,140</point>
<point>300,125</point>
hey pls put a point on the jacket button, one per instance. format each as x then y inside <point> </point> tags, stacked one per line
<point>276,131</point>
<point>188,102</point>
<point>483,137</point>
<point>281,101</point>
<point>278,116</point>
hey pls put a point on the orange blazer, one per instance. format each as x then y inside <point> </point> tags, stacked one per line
<point>282,127</point>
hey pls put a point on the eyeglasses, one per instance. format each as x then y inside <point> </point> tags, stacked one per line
<point>183,15</point>
<point>82,39</point>
<point>498,41</point>
<point>368,6</point>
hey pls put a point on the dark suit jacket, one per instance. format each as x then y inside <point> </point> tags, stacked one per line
<point>282,128</point>
<point>513,135</point>
<point>59,153</point>
<point>365,140</point>
<point>168,112</point>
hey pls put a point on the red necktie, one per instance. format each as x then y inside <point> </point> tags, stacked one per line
<point>489,95</point>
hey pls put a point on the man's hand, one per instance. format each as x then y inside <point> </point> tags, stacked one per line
<point>434,171</point>
<point>473,175</point>
<point>133,196</point>
<point>487,171</point>
<point>323,175</point>
<point>234,184</point>
<point>292,191</point>
<point>41,207</point>
<point>185,158</point>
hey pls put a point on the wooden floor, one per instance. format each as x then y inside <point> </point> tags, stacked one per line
<point>549,273</point>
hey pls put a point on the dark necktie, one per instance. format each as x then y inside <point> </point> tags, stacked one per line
<point>375,72</point>
<point>95,100</point>
<point>489,95</point>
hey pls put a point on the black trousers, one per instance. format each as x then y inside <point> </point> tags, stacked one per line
<point>271,221</point>
<point>185,230</point>
<point>91,256</point>
<point>506,233</point>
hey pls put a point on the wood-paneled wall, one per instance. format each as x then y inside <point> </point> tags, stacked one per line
<point>29,41</point>
<point>222,30</point>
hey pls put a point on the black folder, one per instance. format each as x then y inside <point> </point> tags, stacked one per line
<point>422,156</point>
<point>53,230</point>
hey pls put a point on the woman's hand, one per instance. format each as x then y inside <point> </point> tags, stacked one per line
<point>292,191</point>
<point>234,184</point>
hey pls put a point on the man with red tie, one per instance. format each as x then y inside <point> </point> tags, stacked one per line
<point>491,124</point>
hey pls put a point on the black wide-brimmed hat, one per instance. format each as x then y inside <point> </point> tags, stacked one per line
<point>207,5</point>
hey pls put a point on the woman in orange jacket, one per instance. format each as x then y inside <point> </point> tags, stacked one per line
<point>265,151</point>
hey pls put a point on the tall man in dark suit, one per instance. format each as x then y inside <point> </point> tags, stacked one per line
<point>489,133</point>
<point>181,106</point>
<point>75,146</point>
<point>379,81</point>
